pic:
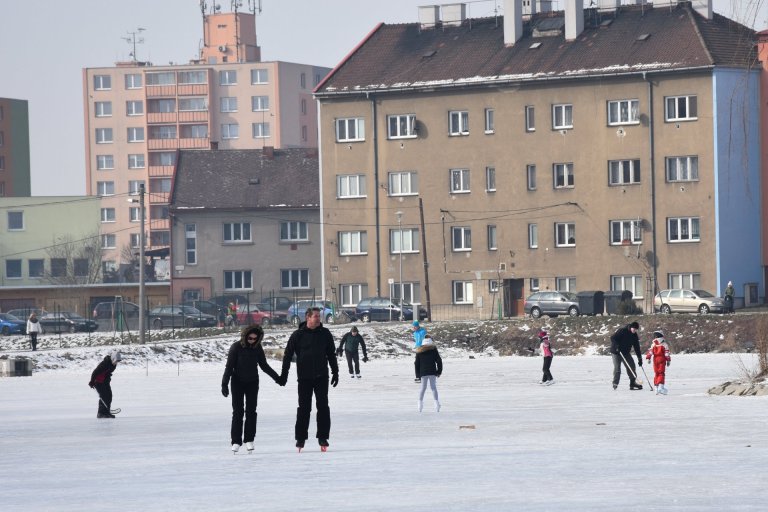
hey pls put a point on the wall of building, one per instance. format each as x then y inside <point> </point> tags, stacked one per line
<point>15,179</point>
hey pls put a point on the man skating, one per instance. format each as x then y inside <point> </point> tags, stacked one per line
<point>622,343</point>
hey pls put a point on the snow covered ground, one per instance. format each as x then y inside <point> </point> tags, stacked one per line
<point>500,443</point>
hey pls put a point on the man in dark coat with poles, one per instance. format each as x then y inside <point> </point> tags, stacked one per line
<point>622,343</point>
<point>315,350</point>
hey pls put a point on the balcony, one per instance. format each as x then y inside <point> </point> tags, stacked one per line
<point>160,170</point>
<point>158,197</point>
<point>161,117</point>
<point>196,116</point>
<point>193,90</point>
<point>161,91</point>
<point>198,143</point>
<point>162,144</point>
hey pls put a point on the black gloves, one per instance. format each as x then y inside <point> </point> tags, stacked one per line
<point>225,390</point>
<point>640,361</point>
<point>365,359</point>
<point>335,379</point>
<point>93,385</point>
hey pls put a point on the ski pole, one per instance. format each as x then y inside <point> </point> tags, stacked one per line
<point>112,411</point>
<point>650,387</point>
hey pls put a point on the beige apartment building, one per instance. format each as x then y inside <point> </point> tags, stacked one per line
<point>138,116</point>
<point>614,148</point>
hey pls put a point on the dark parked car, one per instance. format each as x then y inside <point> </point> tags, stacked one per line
<point>110,310</point>
<point>9,324</point>
<point>208,307</point>
<point>552,304</point>
<point>179,316</point>
<point>66,321</point>
<point>383,309</point>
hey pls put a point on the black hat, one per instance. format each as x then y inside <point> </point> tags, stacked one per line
<point>635,325</point>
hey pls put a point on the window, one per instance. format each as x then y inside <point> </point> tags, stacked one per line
<point>294,278</point>
<point>353,243</point>
<point>228,77</point>
<point>401,126</point>
<point>193,77</point>
<point>161,78</point>
<point>194,131</point>
<point>350,185</point>
<point>136,161</point>
<point>2,168</point>
<point>134,108</point>
<point>458,123</point>
<point>228,104</point>
<point>623,112</point>
<point>108,241</point>
<point>489,121</point>
<point>259,103</point>
<point>103,109</point>
<point>161,106</point>
<point>135,134</point>
<point>633,283</point>
<point>493,286</point>
<point>15,221</point>
<point>411,292</point>
<point>562,117</point>
<point>687,280</point>
<point>530,175</point>
<point>303,106</point>
<point>530,119</point>
<point>408,244</point>
<point>623,172</point>
<point>303,81</point>
<point>133,81</point>
<point>160,185</point>
<point>158,211</point>
<point>135,240</point>
<point>624,232</point>
<point>58,267</point>
<point>563,175</point>
<point>103,135</point>
<point>683,229</point>
<point>565,284</point>
<point>36,268</point>
<point>350,129</point>
<point>352,294</point>
<point>105,162</point>
<point>107,215</point>
<point>108,267</point>
<point>230,131</point>
<point>237,232</point>
<point>193,104</point>
<point>260,130</point>
<point>105,188</point>
<point>490,179</point>
<point>459,181</point>
<point>134,187</point>
<point>190,243</point>
<point>403,183</point>
<point>533,283</point>
<point>2,138</point>
<point>461,239</point>
<point>102,82</point>
<point>134,213</point>
<point>462,292</point>
<point>238,280</point>
<point>680,108</point>
<point>259,76</point>
<point>492,243</point>
<point>160,237</point>
<point>80,267</point>
<point>533,236</point>
<point>304,134</point>
<point>294,231</point>
<point>682,168</point>
<point>565,234</point>
<point>13,269</point>
<point>162,132</point>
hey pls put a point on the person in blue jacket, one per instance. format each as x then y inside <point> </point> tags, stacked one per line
<point>418,334</point>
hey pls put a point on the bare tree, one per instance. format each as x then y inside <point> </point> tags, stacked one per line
<point>74,261</point>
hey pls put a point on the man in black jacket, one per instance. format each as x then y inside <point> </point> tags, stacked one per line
<point>314,348</point>
<point>349,346</point>
<point>101,379</point>
<point>622,343</point>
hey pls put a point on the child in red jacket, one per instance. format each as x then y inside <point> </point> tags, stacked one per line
<point>661,359</point>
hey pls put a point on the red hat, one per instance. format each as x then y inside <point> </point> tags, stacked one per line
<point>543,334</point>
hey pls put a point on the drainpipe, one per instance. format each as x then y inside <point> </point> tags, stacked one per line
<point>376,191</point>
<point>652,165</point>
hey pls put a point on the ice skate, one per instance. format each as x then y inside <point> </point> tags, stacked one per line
<point>235,448</point>
<point>249,446</point>
<point>299,444</point>
<point>437,406</point>
<point>323,444</point>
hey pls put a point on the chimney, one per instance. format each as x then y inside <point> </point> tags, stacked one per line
<point>454,14</point>
<point>429,15</point>
<point>608,5</point>
<point>268,152</point>
<point>703,7</point>
<point>513,21</point>
<point>574,19</point>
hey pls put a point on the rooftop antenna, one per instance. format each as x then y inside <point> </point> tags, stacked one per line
<point>254,6</point>
<point>131,39</point>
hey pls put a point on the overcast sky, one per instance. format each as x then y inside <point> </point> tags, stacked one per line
<point>45,45</point>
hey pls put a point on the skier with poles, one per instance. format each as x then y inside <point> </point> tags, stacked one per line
<point>660,352</point>
<point>100,381</point>
<point>622,343</point>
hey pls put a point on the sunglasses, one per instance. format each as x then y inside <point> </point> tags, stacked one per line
<point>253,337</point>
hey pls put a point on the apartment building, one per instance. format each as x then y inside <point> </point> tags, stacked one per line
<point>466,163</point>
<point>15,178</point>
<point>138,116</point>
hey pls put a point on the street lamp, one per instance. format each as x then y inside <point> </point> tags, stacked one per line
<point>142,243</point>
<point>400,229</point>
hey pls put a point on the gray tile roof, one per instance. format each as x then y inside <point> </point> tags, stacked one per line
<point>404,56</point>
<point>247,179</point>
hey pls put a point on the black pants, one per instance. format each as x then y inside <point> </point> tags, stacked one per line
<point>104,389</point>
<point>618,362</point>
<point>33,340</point>
<point>319,387</point>
<point>244,398</point>
<point>353,357</point>
<point>728,304</point>
<point>547,374</point>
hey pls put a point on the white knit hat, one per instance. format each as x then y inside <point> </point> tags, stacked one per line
<point>115,356</point>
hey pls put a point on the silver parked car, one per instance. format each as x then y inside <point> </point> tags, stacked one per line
<point>552,304</point>
<point>683,300</point>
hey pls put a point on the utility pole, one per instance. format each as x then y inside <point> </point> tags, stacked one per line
<point>142,243</point>
<point>400,228</point>
<point>426,262</point>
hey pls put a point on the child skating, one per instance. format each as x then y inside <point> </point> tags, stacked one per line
<point>429,366</point>
<point>661,359</point>
<point>546,353</point>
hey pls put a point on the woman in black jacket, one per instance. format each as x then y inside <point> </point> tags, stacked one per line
<point>429,366</point>
<point>243,362</point>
